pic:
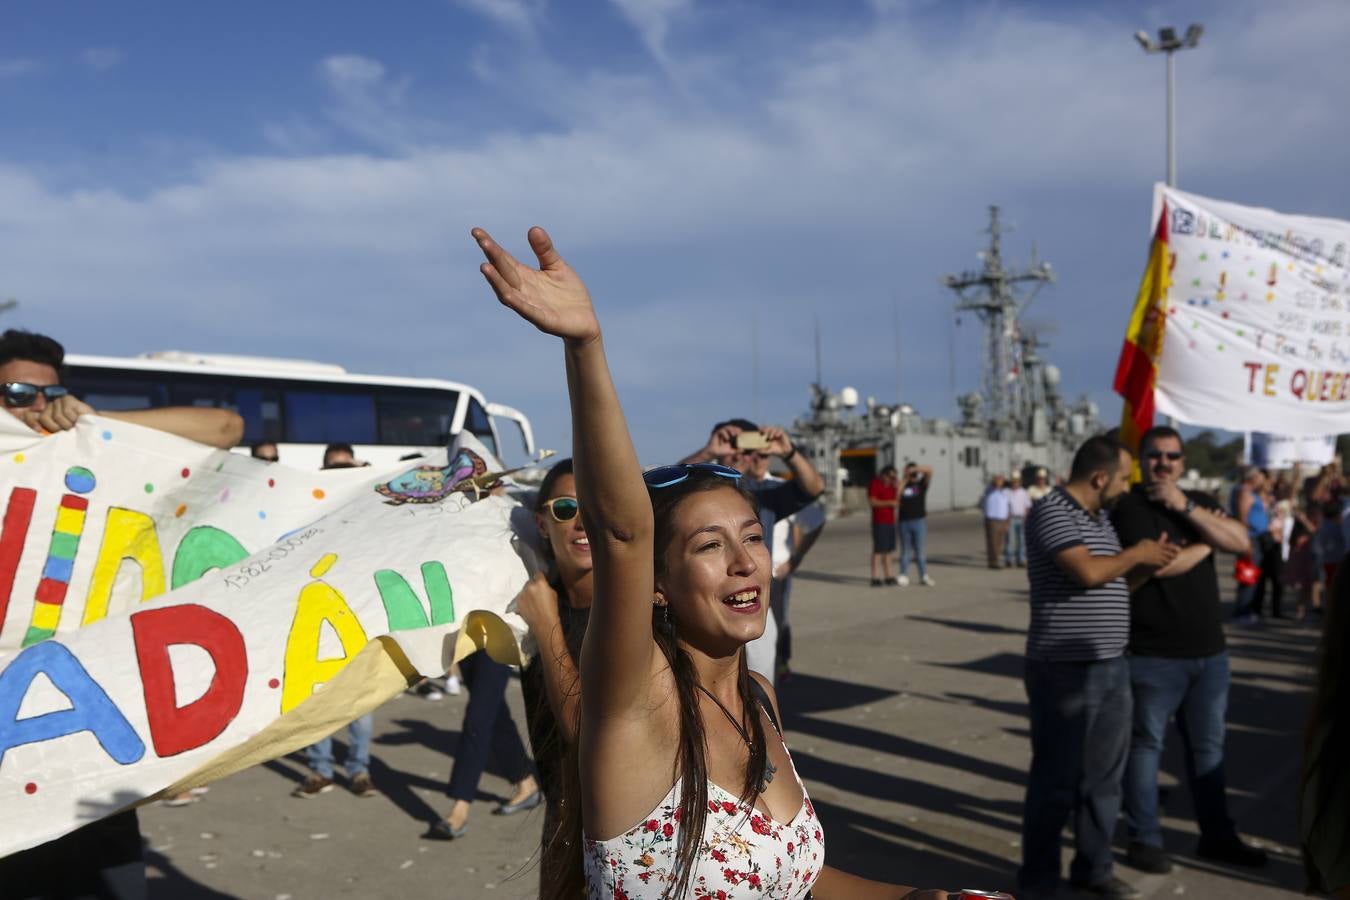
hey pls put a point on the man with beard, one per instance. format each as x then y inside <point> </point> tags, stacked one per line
<point>1077,680</point>
<point>1178,660</point>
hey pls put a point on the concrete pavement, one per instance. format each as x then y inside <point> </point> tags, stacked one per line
<point>906,717</point>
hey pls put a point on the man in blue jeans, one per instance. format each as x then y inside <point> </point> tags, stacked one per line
<point>1077,680</point>
<point>1178,660</point>
<point>914,521</point>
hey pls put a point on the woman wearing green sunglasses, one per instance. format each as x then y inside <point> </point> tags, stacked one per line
<point>669,721</point>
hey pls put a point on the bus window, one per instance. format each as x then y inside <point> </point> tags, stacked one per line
<point>415,418</point>
<point>261,410</point>
<point>117,392</point>
<point>317,417</point>
<point>479,425</point>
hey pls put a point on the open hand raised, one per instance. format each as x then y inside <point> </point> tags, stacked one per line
<point>552,298</point>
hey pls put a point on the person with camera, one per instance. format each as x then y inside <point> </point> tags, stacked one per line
<point>744,446</point>
<point>1178,659</point>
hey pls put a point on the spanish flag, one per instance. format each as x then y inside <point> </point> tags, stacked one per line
<point>1139,357</point>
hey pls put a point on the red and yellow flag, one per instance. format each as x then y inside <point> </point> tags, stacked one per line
<point>1139,357</point>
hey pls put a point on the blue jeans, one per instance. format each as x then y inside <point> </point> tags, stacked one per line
<point>1015,545</point>
<point>1196,692</point>
<point>913,534</point>
<point>358,750</point>
<point>1080,737</point>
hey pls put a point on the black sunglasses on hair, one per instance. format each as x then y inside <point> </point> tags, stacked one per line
<point>21,393</point>
<point>1173,455</point>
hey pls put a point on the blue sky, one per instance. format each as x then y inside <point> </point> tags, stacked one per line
<point>298,179</point>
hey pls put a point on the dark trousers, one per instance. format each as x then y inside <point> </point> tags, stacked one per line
<point>488,728</point>
<point>1272,570</point>
<point>1080,736</point>
<point>1196,692</point>
<point>995,533</point>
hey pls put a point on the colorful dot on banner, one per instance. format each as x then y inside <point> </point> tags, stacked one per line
<point>1241,333</point>
<point>318,494</point>
<point>1204,256</point>
<point>1195,282</point>
<point>18,457</point>
<point>273,683</point>
<point>1290,267</point>
<point>1244,295</point>
<point>178,513</point>
<point>1225,254</point>
<point>261,514</point>
<point>30,788</point>
<point>80,480</point>
<point>1251,273</point>
<point>224,495</point>
<point>1192,345</point>
<point>219,467</point>
<point>271,482</point>
<point>149,488</point>
<point>1191,301</point>
<point>1219,348</point>
<point>1224,313</point>
<point>1195,324</point>
<point>1270,296</point>
<point>107,435</point>
<point>185,473</point>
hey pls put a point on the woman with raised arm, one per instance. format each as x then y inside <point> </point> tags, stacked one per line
<point>669,715</point>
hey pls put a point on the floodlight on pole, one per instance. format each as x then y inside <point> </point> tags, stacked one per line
<point>1169,43</point>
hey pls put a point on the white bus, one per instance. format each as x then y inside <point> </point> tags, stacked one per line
<point>302,406</point>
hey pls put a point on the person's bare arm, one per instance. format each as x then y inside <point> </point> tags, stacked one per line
<point>835,884</point>
<point>213,427</point>
<point>1219,531</point>
<point>617,654</point>
<point>805,474</point>
<point>1093,571</point>
<point>1189,557</point>
<point>537,604</point>
<point>1244,505</point>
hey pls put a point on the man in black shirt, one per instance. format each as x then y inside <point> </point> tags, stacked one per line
<point>1178,661</point>
<point>913,521</point>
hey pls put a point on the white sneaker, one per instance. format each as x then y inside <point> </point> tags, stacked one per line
<point>902,581</point>
<point>928,581</point>
<point>452,685</point>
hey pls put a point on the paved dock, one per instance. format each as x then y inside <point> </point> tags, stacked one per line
<point>906,717</point>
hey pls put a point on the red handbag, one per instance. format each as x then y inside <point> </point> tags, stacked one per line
<point>1246,571</point>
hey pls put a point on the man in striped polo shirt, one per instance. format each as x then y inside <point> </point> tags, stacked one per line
<point>1077,680</point>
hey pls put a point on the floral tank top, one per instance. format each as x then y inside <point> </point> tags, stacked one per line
<point>744,853</point>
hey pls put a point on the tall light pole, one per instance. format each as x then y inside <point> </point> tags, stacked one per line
<point>1169,43</point>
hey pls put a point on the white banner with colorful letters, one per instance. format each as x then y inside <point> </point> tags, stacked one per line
<point>1258,327</point>
<point>170,613</point>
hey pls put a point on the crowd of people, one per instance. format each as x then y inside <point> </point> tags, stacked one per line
<point>665,638</point>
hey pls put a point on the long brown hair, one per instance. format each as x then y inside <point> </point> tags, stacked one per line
<point>563,874</point>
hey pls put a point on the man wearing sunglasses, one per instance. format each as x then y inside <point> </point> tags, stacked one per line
<point>778,500</point>
<point>1178,661</point>
<point>104,858</point>
<point>30,373</point>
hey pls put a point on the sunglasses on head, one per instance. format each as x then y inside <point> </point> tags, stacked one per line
<point>665,476</point>
<point>21,393</point>
<point>563,509</point>
<point>1173,455</point>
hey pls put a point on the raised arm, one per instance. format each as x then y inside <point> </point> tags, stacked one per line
<point>537,604</point>
<point>213,427</point>
<point>616,659</point>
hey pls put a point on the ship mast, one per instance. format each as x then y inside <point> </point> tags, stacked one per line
<point>989,294</point>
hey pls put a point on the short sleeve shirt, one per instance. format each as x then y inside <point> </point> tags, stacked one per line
<point>1069,622</point>
<point>913,500</point>
<point>880,490</point>
<point>1175,617</point>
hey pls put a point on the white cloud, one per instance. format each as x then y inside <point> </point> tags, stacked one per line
<point>519,16</point>
<point>101,59</point>
<point>652,19</point>
<point>853,169</point>
<point>17,67</point>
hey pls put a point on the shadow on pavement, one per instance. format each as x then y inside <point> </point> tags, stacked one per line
<point>977,627</point>
<point>166,881</point>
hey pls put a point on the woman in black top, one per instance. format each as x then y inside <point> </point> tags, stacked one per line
<point>556,608</point>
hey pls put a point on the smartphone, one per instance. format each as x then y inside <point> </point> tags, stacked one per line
<point>750,440</point>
